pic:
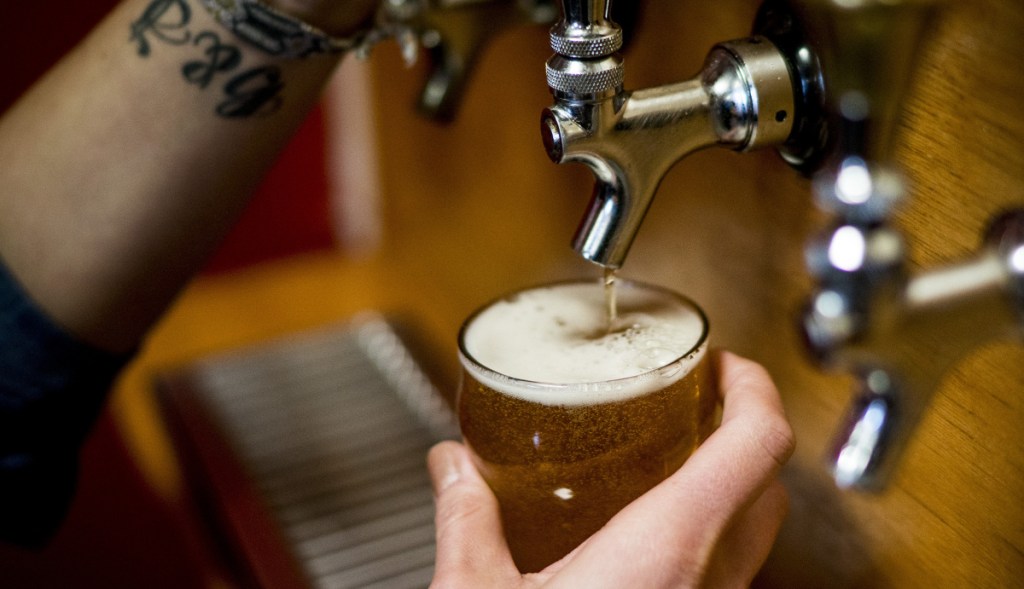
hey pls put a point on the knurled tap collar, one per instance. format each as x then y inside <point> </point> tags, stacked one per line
<point>586,46</point>
<point>586,43</point>
<point>584,76</point>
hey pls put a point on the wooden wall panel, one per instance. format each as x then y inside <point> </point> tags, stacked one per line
<point>475,208</point>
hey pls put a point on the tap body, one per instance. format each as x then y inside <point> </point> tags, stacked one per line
<point>743,98</point>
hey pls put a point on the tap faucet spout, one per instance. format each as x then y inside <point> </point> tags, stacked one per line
<point>629,141</point>
<point>743,98</point>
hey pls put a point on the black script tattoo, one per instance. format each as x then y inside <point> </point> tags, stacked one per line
<point>250,92</point>
<point>169,29</point>
<point>222,58</point>
<point>256,91</point>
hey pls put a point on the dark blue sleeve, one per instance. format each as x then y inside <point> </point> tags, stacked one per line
<point>52,389</point>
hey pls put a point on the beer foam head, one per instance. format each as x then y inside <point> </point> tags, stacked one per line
<point>551,344</point>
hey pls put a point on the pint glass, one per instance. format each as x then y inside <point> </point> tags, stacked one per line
<point>570,418</point>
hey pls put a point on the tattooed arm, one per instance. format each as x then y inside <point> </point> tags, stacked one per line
<point>119,172</point>
<point>127,163</point>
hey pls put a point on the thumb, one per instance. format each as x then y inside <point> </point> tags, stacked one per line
<point>471,547</point>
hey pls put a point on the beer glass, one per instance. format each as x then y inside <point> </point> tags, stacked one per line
<point>570,417</point>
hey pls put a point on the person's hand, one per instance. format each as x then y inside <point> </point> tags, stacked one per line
<point>711,524</point>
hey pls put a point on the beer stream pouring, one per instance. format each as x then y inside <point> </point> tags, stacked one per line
<point>897,333</point>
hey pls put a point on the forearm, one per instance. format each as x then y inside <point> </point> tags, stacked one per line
<point>124,167</point>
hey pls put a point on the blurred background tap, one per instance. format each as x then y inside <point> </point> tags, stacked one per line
<point>896,331</point>
<point>453,34</point>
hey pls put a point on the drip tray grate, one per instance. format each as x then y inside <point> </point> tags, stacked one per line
<point>311,452</point>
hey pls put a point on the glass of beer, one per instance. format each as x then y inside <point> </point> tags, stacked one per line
<point>572,411</point>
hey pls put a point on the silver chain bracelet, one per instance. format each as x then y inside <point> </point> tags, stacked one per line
<point>277,33</point>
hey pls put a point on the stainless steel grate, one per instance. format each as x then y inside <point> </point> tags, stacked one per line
<point>332,427</point>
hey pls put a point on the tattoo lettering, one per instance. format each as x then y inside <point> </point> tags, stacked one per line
<point>153,22</point>
<point>254,92</point>
<point>222,58</point>
<point>251,92</point>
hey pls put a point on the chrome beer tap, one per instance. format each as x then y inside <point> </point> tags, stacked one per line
<point>746,96</point>
<point>897,333</point>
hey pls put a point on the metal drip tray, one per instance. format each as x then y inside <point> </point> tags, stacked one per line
<point>311,452</point>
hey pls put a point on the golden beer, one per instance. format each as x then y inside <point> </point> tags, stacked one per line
<point>564,450</point>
